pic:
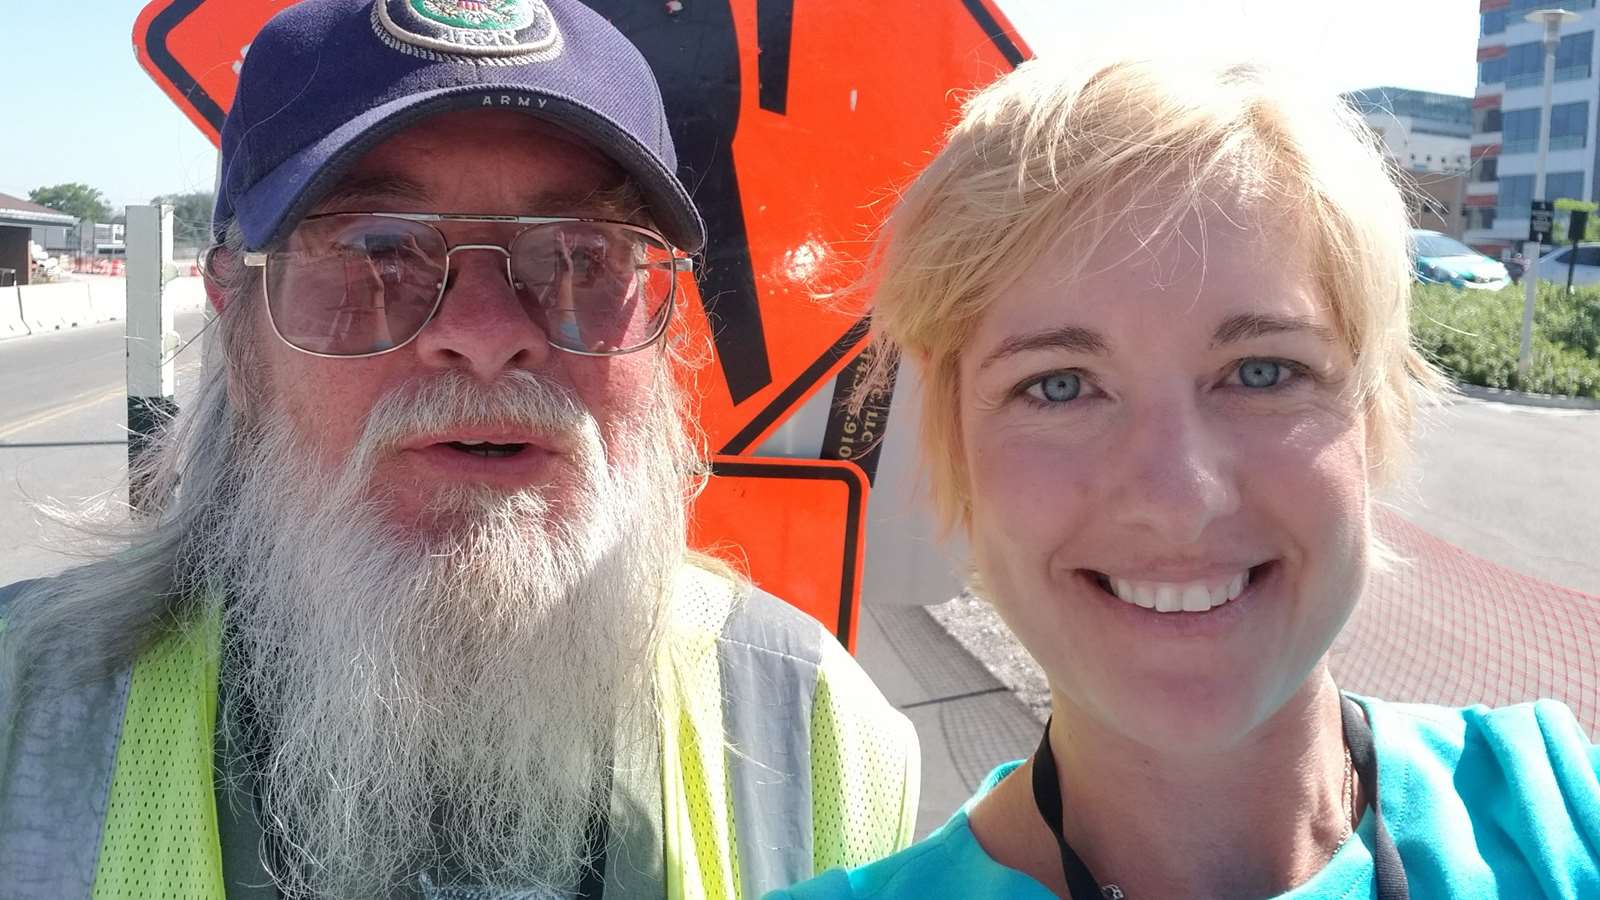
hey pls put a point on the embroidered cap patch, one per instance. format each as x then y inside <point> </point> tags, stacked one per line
<point>473,30</point>
<point>484,15</point>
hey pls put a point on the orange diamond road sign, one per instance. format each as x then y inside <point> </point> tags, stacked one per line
<point>794,124</point>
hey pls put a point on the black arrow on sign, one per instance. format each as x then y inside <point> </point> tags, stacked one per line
<point>694,53</point>
<point>774,33</point>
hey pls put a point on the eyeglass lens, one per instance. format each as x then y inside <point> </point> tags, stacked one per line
<point>354,285</point>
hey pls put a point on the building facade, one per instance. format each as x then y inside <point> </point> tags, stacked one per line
<point>1428,137</point>
<point>1506,114</point>
<point>20,220</point>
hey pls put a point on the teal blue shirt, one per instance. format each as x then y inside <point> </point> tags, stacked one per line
<point>1501,803</point>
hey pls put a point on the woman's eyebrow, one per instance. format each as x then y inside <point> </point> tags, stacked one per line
<point>1072,338</point>
<point>1077,339</point>
<point>1244,326</point>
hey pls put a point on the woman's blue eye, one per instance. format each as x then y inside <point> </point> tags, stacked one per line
<point>1058,388</point>
<point>1260,373</point>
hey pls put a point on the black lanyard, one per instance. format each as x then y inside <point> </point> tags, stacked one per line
<point>1389,872</point>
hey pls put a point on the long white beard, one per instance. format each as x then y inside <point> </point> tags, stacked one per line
<point>446,699</point>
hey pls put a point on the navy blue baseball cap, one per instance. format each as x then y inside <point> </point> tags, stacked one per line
<point>326,80</point>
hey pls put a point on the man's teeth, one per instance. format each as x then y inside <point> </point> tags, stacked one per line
<point>1195,596</point>
<point>486,448</point>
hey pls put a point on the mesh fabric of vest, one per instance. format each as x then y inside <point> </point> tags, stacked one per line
<point>160,838</point>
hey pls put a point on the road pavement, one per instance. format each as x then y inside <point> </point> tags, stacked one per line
<point>63,432</point>
<point>1516,485</point>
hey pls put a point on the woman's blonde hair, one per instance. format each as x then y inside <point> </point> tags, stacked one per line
<point>1045,152</point>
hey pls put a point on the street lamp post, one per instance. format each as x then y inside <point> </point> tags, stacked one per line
<point>1552,20</point>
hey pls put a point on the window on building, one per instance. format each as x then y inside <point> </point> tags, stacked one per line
<point>1486,119</point>
<point>1524,65</point>
<point>1492,71</point>
<point>1494,22</point>
<point>1573,56</point>
<point>1487,169</point>
<point>1519,8</point>
<point>1569,125</point>
<point>1516,196</point>
<point>1519,131</point>
<point>1485,218</point>
<point>1563,185</point>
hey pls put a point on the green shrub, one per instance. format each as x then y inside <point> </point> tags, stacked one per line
<point>1475,336</point>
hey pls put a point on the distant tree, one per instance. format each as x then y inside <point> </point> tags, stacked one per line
<point>74,199</point>
<point>191,216</point>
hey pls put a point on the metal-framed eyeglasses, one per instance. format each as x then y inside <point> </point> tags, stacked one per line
<point>357,284</point>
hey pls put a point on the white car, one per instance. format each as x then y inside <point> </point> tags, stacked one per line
<point>1553,265</point>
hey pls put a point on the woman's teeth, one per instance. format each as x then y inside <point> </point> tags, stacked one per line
<point>1194,596</point>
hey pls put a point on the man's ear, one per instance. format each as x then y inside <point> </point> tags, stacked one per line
<point>216,259</point>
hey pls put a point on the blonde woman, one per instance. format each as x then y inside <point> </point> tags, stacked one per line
<point>1160,312</point>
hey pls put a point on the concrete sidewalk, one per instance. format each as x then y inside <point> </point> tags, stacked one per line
<point>968,722</point>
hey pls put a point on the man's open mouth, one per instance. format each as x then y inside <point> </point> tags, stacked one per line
<point>487,449</point>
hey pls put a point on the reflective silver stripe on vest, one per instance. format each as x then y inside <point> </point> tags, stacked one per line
<point>634,866</point>
<point>55,782</point>
<point>769,655</point>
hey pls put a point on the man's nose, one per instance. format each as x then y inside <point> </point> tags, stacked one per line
<point>481,324</point>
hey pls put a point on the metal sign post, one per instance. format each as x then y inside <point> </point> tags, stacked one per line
<point>1540,220</point>
<point>152,341</point>
<point>1577,226</point>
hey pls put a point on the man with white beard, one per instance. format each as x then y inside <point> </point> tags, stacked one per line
<point>418,618</point>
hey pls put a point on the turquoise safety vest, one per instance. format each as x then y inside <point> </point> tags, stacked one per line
<point>778,759</point>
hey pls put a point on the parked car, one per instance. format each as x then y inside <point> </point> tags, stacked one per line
<point>1553,265</point>
<point>1441,259</point>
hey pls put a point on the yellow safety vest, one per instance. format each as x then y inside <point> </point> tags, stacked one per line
<point>733,679</point>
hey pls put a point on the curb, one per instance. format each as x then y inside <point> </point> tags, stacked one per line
<point>1520,398</point>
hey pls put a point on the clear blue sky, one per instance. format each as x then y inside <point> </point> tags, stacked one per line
<point>89,113</point>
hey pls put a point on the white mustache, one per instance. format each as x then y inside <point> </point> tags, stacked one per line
<point>519,399</point>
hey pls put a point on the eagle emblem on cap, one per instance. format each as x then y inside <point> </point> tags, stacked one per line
<point>478,31</point>
<point>492,15</point>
